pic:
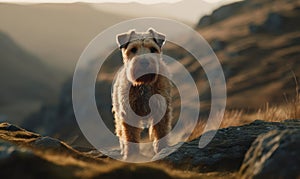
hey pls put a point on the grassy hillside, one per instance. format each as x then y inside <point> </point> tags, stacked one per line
<point>259,47</point>
<point>258,44</point>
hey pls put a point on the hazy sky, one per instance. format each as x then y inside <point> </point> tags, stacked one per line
<point>188,11</point>
<point>101,1</point>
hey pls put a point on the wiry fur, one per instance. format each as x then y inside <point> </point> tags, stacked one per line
<point>140,90</point>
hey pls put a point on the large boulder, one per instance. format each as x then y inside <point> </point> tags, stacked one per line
<point>227,149</point>
<point>273,155</point>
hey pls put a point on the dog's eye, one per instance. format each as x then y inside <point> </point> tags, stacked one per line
<point>133,50</point>
<point>153,50</point>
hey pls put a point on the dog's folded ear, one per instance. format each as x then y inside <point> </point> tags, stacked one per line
<point>124,38</point>
<point>159,38</point>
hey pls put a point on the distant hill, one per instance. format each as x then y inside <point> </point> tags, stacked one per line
<point>25,80</point>
<point>56,33</point>
<point>258,44</point>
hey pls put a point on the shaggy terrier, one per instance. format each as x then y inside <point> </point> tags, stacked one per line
<point>143,75</point>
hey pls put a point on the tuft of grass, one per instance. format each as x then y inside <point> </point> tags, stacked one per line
<point>291,110</point>
<point>271,113</point>
<point>230,118</point>
<point>294,111</point>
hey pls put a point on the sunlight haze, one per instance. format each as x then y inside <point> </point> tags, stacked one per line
<point>187,11</point>
<point>103,1</point>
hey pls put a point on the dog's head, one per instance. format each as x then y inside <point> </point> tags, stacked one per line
<point>141,53</point>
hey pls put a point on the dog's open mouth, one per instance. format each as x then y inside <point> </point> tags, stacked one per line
<point>148,78</point>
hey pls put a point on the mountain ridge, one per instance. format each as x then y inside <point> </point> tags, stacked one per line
<point>24,78</point>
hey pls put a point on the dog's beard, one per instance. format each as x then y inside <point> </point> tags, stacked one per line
<point>138,76</point>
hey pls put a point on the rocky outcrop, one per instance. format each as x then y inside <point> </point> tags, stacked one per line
<point>16,162</point>
<point>269,147</point>
<point>24,154</point>
<point>227,149</point>
<point>274,23</point>
<point>21,157</point>
<point>273,155</point>
<point>220,14</point>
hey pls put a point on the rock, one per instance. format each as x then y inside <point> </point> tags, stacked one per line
<point>7,150</point>
<point>47,142</point>
<point>54,159</point>
<point>217,44</point>
<point>9,127</point>
<point>46,157</point>
<point>20,162</point>
<point>273,155</point>
<point>220,14</point>
<point>12,132</point>
<point>227,149</point>
<point>205,21</point>
<point>274,23</point>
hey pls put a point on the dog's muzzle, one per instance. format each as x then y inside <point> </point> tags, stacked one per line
<point>144,68</point>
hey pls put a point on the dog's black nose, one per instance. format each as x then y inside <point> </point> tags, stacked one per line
<point>144,63</point>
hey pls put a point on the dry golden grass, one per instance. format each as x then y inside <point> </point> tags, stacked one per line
<point>230,118</point>
<point>270,113</point>
<point>291,110</point>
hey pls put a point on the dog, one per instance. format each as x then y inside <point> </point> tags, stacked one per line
<point>132,90</point>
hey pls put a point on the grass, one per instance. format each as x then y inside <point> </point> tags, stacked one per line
<point>291,110</point>
<point>271,113</point>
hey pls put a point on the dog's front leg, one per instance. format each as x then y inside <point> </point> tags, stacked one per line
<point>159,131</point>
<point>132,137</point>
